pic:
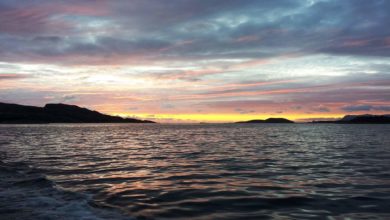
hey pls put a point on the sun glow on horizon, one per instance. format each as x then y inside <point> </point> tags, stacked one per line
<point>226,118</point>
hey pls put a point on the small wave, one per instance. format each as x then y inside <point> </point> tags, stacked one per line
<point>26,193</point>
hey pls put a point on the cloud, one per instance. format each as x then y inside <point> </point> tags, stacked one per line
<point>13,76</point>
<point>321,108</point>
<point>167,106</point>
<point>244,111</point>
<point>48,39</point>
<point>355,108</point>
<point>37,17</point>
<point>120,31</point>
<point>382,108</point>
<point>68,98</point>
<point>132,108</point>
<point>366,47</point>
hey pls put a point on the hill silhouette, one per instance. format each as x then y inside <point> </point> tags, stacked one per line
<point>360,119</point>
<point>57,113</point>
<point>269,120</point>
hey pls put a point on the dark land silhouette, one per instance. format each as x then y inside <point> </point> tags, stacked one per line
<point>360,119</point>
<point>269,120</point>
<point>57,113</point>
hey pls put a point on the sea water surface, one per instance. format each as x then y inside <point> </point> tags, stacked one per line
<point>198,171</point>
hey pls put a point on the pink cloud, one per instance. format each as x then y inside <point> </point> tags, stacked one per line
<point>387,41</point>
<point>252,84</point>
<point>246,39</point>
<point>33,18</point>
<point>356,43</point>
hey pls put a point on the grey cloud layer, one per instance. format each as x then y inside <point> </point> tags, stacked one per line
<point>61,31</point>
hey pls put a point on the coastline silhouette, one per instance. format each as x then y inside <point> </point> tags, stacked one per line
<point>360,119</point>
<point>64,113</point>
<point>57,113</point>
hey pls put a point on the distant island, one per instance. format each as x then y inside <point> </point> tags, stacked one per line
<point>269,120</point>
<point>360,119</point>
<point>57,113</point>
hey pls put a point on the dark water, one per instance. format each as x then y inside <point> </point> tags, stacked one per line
<point>298,171</point>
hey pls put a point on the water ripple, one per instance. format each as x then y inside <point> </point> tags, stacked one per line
<point>297,171</point>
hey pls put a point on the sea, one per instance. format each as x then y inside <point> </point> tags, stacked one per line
<point>194,171</point>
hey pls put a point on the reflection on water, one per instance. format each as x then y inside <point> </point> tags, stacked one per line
<point>215,171</point>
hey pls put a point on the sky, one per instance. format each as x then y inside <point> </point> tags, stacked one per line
<point>198,60</point>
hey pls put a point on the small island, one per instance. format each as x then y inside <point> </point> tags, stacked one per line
<point>57,113</point>
<point>269,120</point>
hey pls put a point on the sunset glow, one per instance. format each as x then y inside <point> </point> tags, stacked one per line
<point>198,61</point>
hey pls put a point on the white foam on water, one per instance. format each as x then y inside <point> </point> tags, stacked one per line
<point>26,194</point>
